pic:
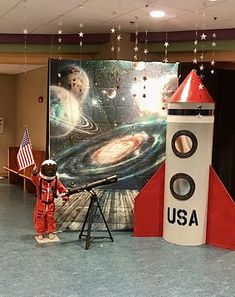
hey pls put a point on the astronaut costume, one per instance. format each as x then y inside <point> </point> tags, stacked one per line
<point>47,186</point>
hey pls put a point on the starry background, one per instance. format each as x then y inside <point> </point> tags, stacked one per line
<point>107,117</point>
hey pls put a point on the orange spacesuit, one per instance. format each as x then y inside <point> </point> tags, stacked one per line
<point>47,187</point>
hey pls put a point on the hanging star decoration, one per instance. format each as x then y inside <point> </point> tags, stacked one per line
<point>202,76</point>
<point>25,31</point>
<point>113,30</point>
<point>200,86</point>
<point>146,51</point>
<point>119,37</point>
<point>195,43</point>
<point>136,47</point>
<point>166,45</point>
<point>115,40</point>
<point>213,45</point>
<point>146,46</point>
<point>81,35</point>
<point>59,47</point>
<point>59,39</point>
<point>203,37</point>
<point>201,67</point>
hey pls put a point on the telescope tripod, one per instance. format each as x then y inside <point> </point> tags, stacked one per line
<point>89,219</point>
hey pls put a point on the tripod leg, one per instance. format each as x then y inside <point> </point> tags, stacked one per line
<point>84,223</point>
<point>106,225</point>
<point>90,220</point>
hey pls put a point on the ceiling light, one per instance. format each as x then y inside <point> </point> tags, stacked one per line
<point>157,14</point>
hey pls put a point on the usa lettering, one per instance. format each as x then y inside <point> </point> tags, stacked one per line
<point>182,217</point>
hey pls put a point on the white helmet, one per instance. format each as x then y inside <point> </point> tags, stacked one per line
<point>48,170</point>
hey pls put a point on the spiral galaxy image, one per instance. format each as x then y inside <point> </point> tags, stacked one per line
<point>108,118</point>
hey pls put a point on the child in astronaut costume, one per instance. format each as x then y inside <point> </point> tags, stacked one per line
<point>47,186</point>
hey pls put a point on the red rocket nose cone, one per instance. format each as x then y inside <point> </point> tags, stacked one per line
<point>191,90</point>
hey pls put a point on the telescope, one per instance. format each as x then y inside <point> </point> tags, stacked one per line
<point>90,212</point>
<point>87,187</point>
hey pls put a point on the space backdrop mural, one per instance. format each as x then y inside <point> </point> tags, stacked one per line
<point>108,118</point>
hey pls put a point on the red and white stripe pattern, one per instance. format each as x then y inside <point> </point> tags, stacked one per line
<point>25,156</point>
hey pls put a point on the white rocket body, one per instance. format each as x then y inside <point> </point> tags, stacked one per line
<point>188,156</point>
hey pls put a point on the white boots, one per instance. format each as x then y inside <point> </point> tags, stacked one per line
<point>51,236</point>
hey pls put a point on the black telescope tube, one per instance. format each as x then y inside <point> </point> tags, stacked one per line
<point>101,182</point>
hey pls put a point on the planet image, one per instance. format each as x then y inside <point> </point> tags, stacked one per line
<point>66,114</point>
<point>64,111</point>
<point>75,79</point>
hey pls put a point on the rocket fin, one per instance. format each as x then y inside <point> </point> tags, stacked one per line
<point>220,215</point>
<point>148,206</point>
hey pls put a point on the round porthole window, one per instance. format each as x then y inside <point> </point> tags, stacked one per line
<point>182,186</point>
<point>184,144</point>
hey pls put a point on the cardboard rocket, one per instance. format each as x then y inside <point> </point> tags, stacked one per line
<point>185,202</point>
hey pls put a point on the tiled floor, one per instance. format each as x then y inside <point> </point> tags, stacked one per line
<point>140,267</point>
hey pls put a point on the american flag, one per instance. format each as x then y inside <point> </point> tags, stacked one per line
<point>25,155</point>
